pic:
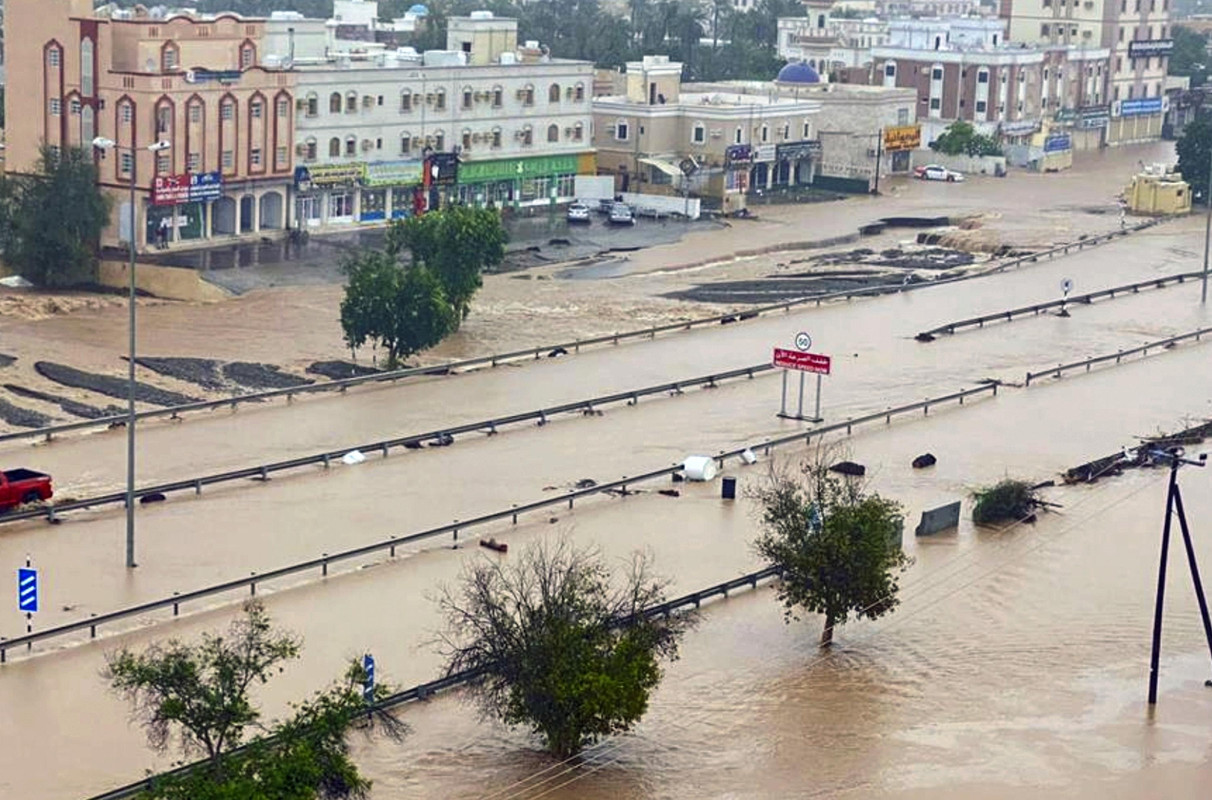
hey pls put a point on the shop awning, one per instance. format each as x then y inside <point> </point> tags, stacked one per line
<point>669,168</point>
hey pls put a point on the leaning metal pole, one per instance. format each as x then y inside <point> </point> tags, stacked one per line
<point>1161,584</point>
<point>130,407</point>
<point>1203,294</point>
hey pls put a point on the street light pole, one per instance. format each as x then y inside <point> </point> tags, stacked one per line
<point>103,143</point>
<point>1203,293</point>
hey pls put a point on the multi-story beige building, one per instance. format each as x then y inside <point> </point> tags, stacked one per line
<point>517,121</point>
<point>1137,35</point>
<point>195,83</point>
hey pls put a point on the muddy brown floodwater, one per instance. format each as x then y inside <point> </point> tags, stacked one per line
<point>1016,665</point>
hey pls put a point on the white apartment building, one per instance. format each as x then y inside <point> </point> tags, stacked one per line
<point>1137,34</point>
<point>378,133</point>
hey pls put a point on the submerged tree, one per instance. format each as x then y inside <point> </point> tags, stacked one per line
<point>200,696</point>
<point>839,547</point>
<point>559,644</point>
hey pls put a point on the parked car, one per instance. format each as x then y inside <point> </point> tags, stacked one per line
<point>604,205</point>
<point>934,172</point>
<point>620,214</point>
<point>578,212</point>
<point>21,486</point>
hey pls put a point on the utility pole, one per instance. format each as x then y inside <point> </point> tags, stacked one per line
<point>1203,293</point>
<point>1174,505</point>
<point>879,152</point>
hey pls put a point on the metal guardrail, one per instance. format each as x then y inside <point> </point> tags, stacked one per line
<point>453,529</point>
<point>1118,355</point>
<point>1038,308</point>
<point>424,691</point>
<point>489,426</point>
<point>342,385</point>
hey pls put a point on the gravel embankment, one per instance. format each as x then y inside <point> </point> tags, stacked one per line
<point>339,370</point>
<point>109,385</point>
<point>201,371</point>
<point>262,376</point>
<point>73,407</point>
<point>6,360</point>
<point>23,417</point>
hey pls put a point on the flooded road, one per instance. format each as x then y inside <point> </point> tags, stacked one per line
<point>1015,667</point>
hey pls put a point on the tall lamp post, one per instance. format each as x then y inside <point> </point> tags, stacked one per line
<point>102,143</point>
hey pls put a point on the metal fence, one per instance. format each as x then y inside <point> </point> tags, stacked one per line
<point>489,426</point>
<point>1039,308</point>
<point>325,560</point>
<point>429,689</point>
<point>1118,355</point>
<point>537,352</point>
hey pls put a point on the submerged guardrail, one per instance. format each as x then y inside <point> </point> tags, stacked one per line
<point>453,529</point>
<point>489,426</point>
<point>1118,355</point>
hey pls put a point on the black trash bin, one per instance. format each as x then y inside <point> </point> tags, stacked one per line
<point>728,489</point>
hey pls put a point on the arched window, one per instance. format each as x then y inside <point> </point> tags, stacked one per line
<point>498,97</point>
<point>170,57</point>
<point>528,135</point>
<point>553,93</point>
<point>283,106</point>
<point>351,102</point>
<point>351,145</point>
<point>553,133</point>
<point>467,138</point>
<point>313,104</point>
<point>310,149</point>
<point>86,67</point>
<point>248,55</point>
<point>496,137</point>
<point>578,93</point>
<point>88,125</point>
<point>578,132</point>
<point>468,97</point>
<point>439,100</point>
<point>334,103</point>
<point>334,147</point>
<point>439,141</point>
<point>256,109</point>
<point>405,101</point>
<point>527,93</point>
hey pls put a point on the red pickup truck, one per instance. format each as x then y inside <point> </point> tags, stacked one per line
<point>21,486</point>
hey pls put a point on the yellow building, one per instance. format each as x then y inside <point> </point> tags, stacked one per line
<point>1158,192</point>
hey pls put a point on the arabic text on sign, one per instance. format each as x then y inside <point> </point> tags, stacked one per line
<point>802,362</point>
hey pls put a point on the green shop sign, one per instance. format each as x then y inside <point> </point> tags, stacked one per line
<point>512,168</point>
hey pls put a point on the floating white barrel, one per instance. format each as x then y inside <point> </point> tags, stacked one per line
<point>699,468</point>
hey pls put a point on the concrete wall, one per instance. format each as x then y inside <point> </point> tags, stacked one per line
<point>969,165</point>
<point>171,283</point>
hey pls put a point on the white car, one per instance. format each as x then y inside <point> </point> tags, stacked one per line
<point>578,212</point>
<point>934,172</point>
<point>620,214</point>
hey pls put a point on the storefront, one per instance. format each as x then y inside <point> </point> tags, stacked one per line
<point>356,192</point>
<point>522,182</point>
<point>899,144</point>
<point>190,207</point>
<point>1136,120</point>
<point>796,162</point>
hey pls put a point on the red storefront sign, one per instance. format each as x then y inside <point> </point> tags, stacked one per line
<point>170,190</point>
<point>803,362</point>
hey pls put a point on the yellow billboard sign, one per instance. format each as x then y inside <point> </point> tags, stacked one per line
<point>906,137</point>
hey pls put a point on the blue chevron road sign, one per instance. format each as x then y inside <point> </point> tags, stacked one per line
<point>27,590</point>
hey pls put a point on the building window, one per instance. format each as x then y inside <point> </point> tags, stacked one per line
<point>405,144</point>
<point>982,76</point>
<point>553,133</point>
<point>466,140</point>
<point>309,150</point>
<point>936,73</point>
<point>498,95</point>
<point>496,138</point>
<point>74,107</point>
<point>467,98</point>
<point>981,105</point>
<point>351,146</point>
<point>405,102</point>
<point>736,136</point>
<point>86,67</point>
<point>52,57</point>
<point>621,132</point>
<point>313,105</point>
<point>765,134</point>
<point>227,111</point>
<point>439,100</point>
<point>229,159</point>
<point>256,109</point>
<point>254,157</point>
<point>935,104</point>
<point>553,93</point>
<point>56,107</point>
<point>163,163</point>
<point>578,93</point>
<point>124,162</point>
<point>902,116</point>
<point>164,120</point>
<point>890,70</point>
<point>528,95</point>
<point>527,136</point>
<point>195,113</point>
<point>807,131</point>
<point>334,147</point>
<point>170,58</point>
<point>283,107</point>
<point>351,103</point>
<point>248,56</point>
<point>439,141</point>
<point>125,113</point>
<point>578,132</point>
<point>340,204</point>
<point>193,162</point>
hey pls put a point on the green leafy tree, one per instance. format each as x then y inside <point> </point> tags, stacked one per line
<point>402,310</point>
<point>559,643</point>
<point>56,219</point>
<point>960,138</point>
<point>202,692</point>
<point>456,244</point>
<point>1190,56</point>
<point>1194,153</point>
<point>839,547</point>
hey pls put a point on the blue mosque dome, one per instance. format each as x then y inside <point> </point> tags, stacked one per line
<point>798,72</point>
<point>419,10</point>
